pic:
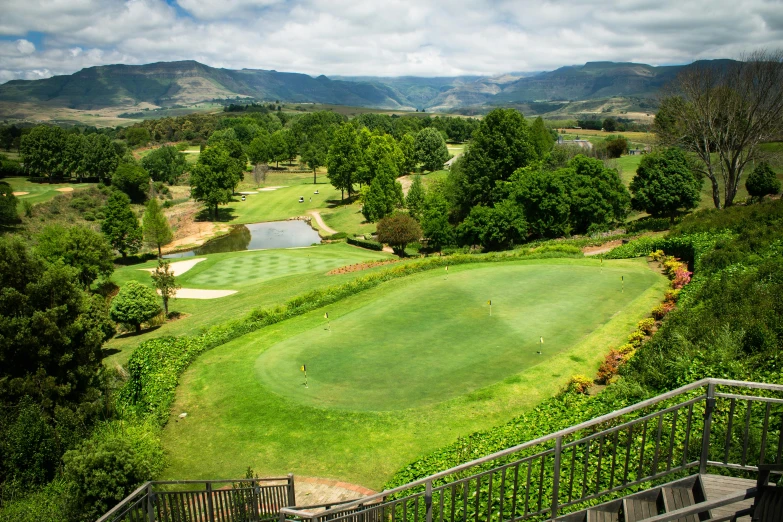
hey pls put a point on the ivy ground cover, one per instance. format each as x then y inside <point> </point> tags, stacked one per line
<point>406,368</point>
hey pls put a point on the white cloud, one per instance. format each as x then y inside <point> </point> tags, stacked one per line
<point>394,37</point>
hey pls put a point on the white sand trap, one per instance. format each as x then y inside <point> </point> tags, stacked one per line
<point>194,293</point>
<point>247,193</point>
<point>20,193</point>
<point>269,189</point>
<point>65,189</point>
<point>180,267</point>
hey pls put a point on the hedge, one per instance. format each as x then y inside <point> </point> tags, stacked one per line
<point>155,366</point>
<point>365,243</point>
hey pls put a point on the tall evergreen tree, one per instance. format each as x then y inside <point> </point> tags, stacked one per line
<point>415,199</point>
<point>120,225</point>
<point>541,138</point>
<point>157,232</point>
<point>343,159</point>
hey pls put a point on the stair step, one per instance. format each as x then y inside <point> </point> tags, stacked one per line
<point>598,515</point>
<point>639,508</point>
<point>678,498</point>
<point>769,507</point>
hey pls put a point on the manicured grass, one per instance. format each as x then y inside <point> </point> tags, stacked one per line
<point>262,278</point>
<point>247,406</point>
<point>40,192</point>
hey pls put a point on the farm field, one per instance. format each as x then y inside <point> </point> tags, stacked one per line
<point>261,278</point>
<point>41,192</point>
<point>406,368</point>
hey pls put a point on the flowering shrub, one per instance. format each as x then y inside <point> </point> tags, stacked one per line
<point>636,338</point>
<point>657,255</point>
<point>660,311</point>
<point>681,278</point>
<point>671,295</point>
<point>579,384</point>
<point>609,367</point>
<point>646,326</point>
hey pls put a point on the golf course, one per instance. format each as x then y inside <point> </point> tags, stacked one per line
<point>402,368</point>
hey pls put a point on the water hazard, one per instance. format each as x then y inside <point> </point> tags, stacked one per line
<point>256,236</point>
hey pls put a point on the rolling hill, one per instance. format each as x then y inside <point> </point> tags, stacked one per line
<point>184,83</point>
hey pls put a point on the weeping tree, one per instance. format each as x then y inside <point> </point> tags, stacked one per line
<point>722,114</point>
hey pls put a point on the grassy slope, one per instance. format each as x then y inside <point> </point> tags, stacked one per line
<point>262,278</point>
<point>40,192</point>
<point>234,421</point>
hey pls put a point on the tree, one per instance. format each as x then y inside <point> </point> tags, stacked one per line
<point>51,333</point>
<point>164,164</point>
<point>137,136</point>
<point>500,146</point>
<point>214,177</point>
<point>397,231</point>
<point>8,204</point>
<point>314,152</point>
<point>762,182</point>
<point>664,184</point>
<point>134,304</point>
<point>408,148</point>
<point>73,155</point>
<point>435,225</point>
<point>415,200</point>
<point>385,194</point>
<point>541,138</point>
<point>343,159</point>
<point>165,283</point>
<point>133,180</point>
<point>120,225</point>
<point>610,125</point>
<point>156,227</point>
<point>79,247</point>
<point>42,150</point>
<point>100,156</point>
<point>495,228</point>
<point>278,147</point>
<point>431,149</point>
<point>258,150</point>
<point>616,146</point>
<point>722,114</point>
<point>381,151</point>
<point>544,197</point>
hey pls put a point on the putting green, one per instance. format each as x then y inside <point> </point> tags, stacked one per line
<point>436,340</point>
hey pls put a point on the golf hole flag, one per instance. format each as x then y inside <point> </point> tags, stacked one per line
<point>303,368</point>
<point>326,315</point>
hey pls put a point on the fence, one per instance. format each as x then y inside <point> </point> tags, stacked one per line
<point>712,423</point>
<point>244,500</point>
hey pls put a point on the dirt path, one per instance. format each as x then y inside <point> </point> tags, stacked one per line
<point>320,221</point>
<point>601,249</point>
<point>180,267</point>
<point>312,490</point>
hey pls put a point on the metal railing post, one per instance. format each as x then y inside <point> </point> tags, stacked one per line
<point>210,505</point>
<point>291,491</point>
<point>150,507</point>
<point>428,500</point>
<point>556,477</point>
<point>705,439</point>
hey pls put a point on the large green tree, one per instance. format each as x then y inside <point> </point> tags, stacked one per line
<point>398,230</point>
<point>133,180</point>
<point>214,177</point>
<point>155,227</point>
<point>384,195</point>
<point>134,304</point>
<point>100,157</point>
<point>494,228</point>
<point>314,151</point>
<point>42,150</point>
<point>664,184</point>
<point>435,225</point>
<point>79,247</point>
<point>762,182</point>
<point>408,149</point>
<point>597,194</point>
<point>540,137</point>
<point>431,149</point>
<point>120,225</point>
<point>414,201</point>
<point>164,164</point>
<point>545,199</point>
<point>500,145</point>
<point>343,159</point>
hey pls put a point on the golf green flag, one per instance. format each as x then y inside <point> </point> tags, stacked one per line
<point>326,315</point>
<point>303,368</point>
<point>542,340</point>
<point>489,302</point>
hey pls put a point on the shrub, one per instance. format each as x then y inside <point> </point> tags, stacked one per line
<point>636,338</point>
<point>762,181</point>
<point>339,235</point>
<point>681,278</point>
<point>364,243</point>
<point>133,180</point>
<point>579,384</point>
<point>671,295</point>
<point>48,504</point>
<point>609,367</point>
<point>134,304</point>
<point>646,326</point>
<point>660,311</point>
<point>397,231</point>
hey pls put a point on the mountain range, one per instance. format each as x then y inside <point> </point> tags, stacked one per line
<point>167,84</point>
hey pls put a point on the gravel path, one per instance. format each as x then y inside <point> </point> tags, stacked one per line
<point>320,221</point>
<point>180,267</point>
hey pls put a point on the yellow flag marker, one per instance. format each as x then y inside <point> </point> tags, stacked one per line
<point>304,369</point>
<point>490,306</point>
<point>328,324</point>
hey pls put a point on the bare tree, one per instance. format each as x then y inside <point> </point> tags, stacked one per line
<point>259,173</point>
<point>722,114</point>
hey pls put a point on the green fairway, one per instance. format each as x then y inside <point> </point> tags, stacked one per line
<point>261,278</point>
<point>400,375</point>
<point>41,192</point>
<point>436,340</point>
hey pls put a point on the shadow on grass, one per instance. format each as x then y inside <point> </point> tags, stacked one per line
<point>137,334</point>
<point>224,214</point>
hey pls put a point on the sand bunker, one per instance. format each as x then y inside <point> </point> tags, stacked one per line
<point>194,293</point>
<point>180,267</point>
<point>65,189</point>
<point>269,189</point>
<point>20,193</point>
<point>247,193</point>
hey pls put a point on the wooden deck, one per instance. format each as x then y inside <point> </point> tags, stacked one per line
<point>717,486</point>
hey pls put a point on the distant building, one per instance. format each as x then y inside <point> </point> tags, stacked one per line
<point>580,143</point>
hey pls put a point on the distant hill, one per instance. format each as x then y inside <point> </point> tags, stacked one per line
<point>168,84</point>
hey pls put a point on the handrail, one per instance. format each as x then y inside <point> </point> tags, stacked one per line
<point>701,507</point>
<point>546,438</point>
<point>121,505</point>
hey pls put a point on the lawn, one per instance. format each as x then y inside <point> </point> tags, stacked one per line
<point>261,278</point>
<point>407,367</point>
<point>40,192</point>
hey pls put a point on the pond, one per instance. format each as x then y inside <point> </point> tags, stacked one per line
<point>257,236</point>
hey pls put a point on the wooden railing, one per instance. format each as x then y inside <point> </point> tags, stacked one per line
<point>712,423</point>
<point>241,500</point>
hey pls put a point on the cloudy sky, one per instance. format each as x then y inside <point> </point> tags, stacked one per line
<point>378,37</point>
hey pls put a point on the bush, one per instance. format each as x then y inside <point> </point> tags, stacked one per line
<point>646,326</point>
<point>762,181</point>
<point>133,181</point>
<point>334,237</point>
<point>134,304</point>
<point>579,384</point>
<point>651,224</point>
<point>364,243</point>
<point>397,231</point>
<point>110,465</point>
<point>48,504</point>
